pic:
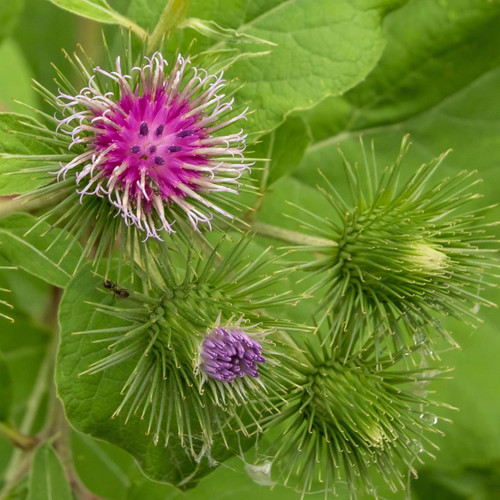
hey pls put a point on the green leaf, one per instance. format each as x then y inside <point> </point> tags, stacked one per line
<point>38,39</point>
<point>423,66</point>
<point>323,48</point>
<point>212,30</point>
<point>474,482</point>
<point>13,141</point>
<point>91,400</point>
<point>50,254</point>
<point>425,85</point>
<point>9,15</point>
<point>97,10</point>
<point>47,478</point>
<point>474,436</point>
<point>5,298</point>
<point>103,468</point>
<point>29,294</point>
<point>23,346</point>
<point>5,390</point>
<point>278,205</point>
<point>223,12</point>
<point>146,12</point>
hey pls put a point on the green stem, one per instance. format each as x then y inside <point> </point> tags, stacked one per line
<point>135,28</point>
<point>173,13</point>
<point>22,204</point>
<point>42,382</point>
<point>62,445</point>
<point>288,236</point>
<point>18,439</point>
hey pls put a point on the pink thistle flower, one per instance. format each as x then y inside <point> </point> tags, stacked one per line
<point>153,145</point>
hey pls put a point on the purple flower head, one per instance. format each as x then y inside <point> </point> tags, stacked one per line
<point>227,354</point>
<point>152,145</point>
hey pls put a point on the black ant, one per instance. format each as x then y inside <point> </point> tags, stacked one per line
<point>121,293</point>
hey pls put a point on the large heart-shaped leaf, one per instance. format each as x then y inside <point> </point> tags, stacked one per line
<point>322,48</point>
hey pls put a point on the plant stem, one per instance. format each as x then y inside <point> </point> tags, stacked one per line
<point>288,236</point>
<point>128,23</point>
<point>36,397</point>
<point>21,204</point>
<point>18,439</point>
<point>172,15</point>
<point>62,445</point>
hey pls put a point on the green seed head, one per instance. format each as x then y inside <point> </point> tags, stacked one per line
<point>405,252</point>
<point>350,418</point>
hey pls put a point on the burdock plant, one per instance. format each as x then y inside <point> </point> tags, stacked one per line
<point>349,417</point>
<point>200,351</point>
<point>399,254</point>
<point>155,141</point>
<point>184,337</point>
<point>148,137</point>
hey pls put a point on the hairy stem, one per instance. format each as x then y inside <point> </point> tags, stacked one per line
<point>135,28</point>
<point>172,15</point>
<point>288,236</point>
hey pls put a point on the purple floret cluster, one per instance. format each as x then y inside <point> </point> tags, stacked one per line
<point>228,354</point>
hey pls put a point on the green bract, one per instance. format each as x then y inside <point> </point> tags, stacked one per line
<point>350,416</point>
<point>153,336</point>
<point>400,252</point>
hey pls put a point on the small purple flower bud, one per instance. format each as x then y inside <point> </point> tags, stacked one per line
<point>227,354</point>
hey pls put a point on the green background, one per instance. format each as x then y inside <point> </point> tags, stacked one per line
<point>430,68</point>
